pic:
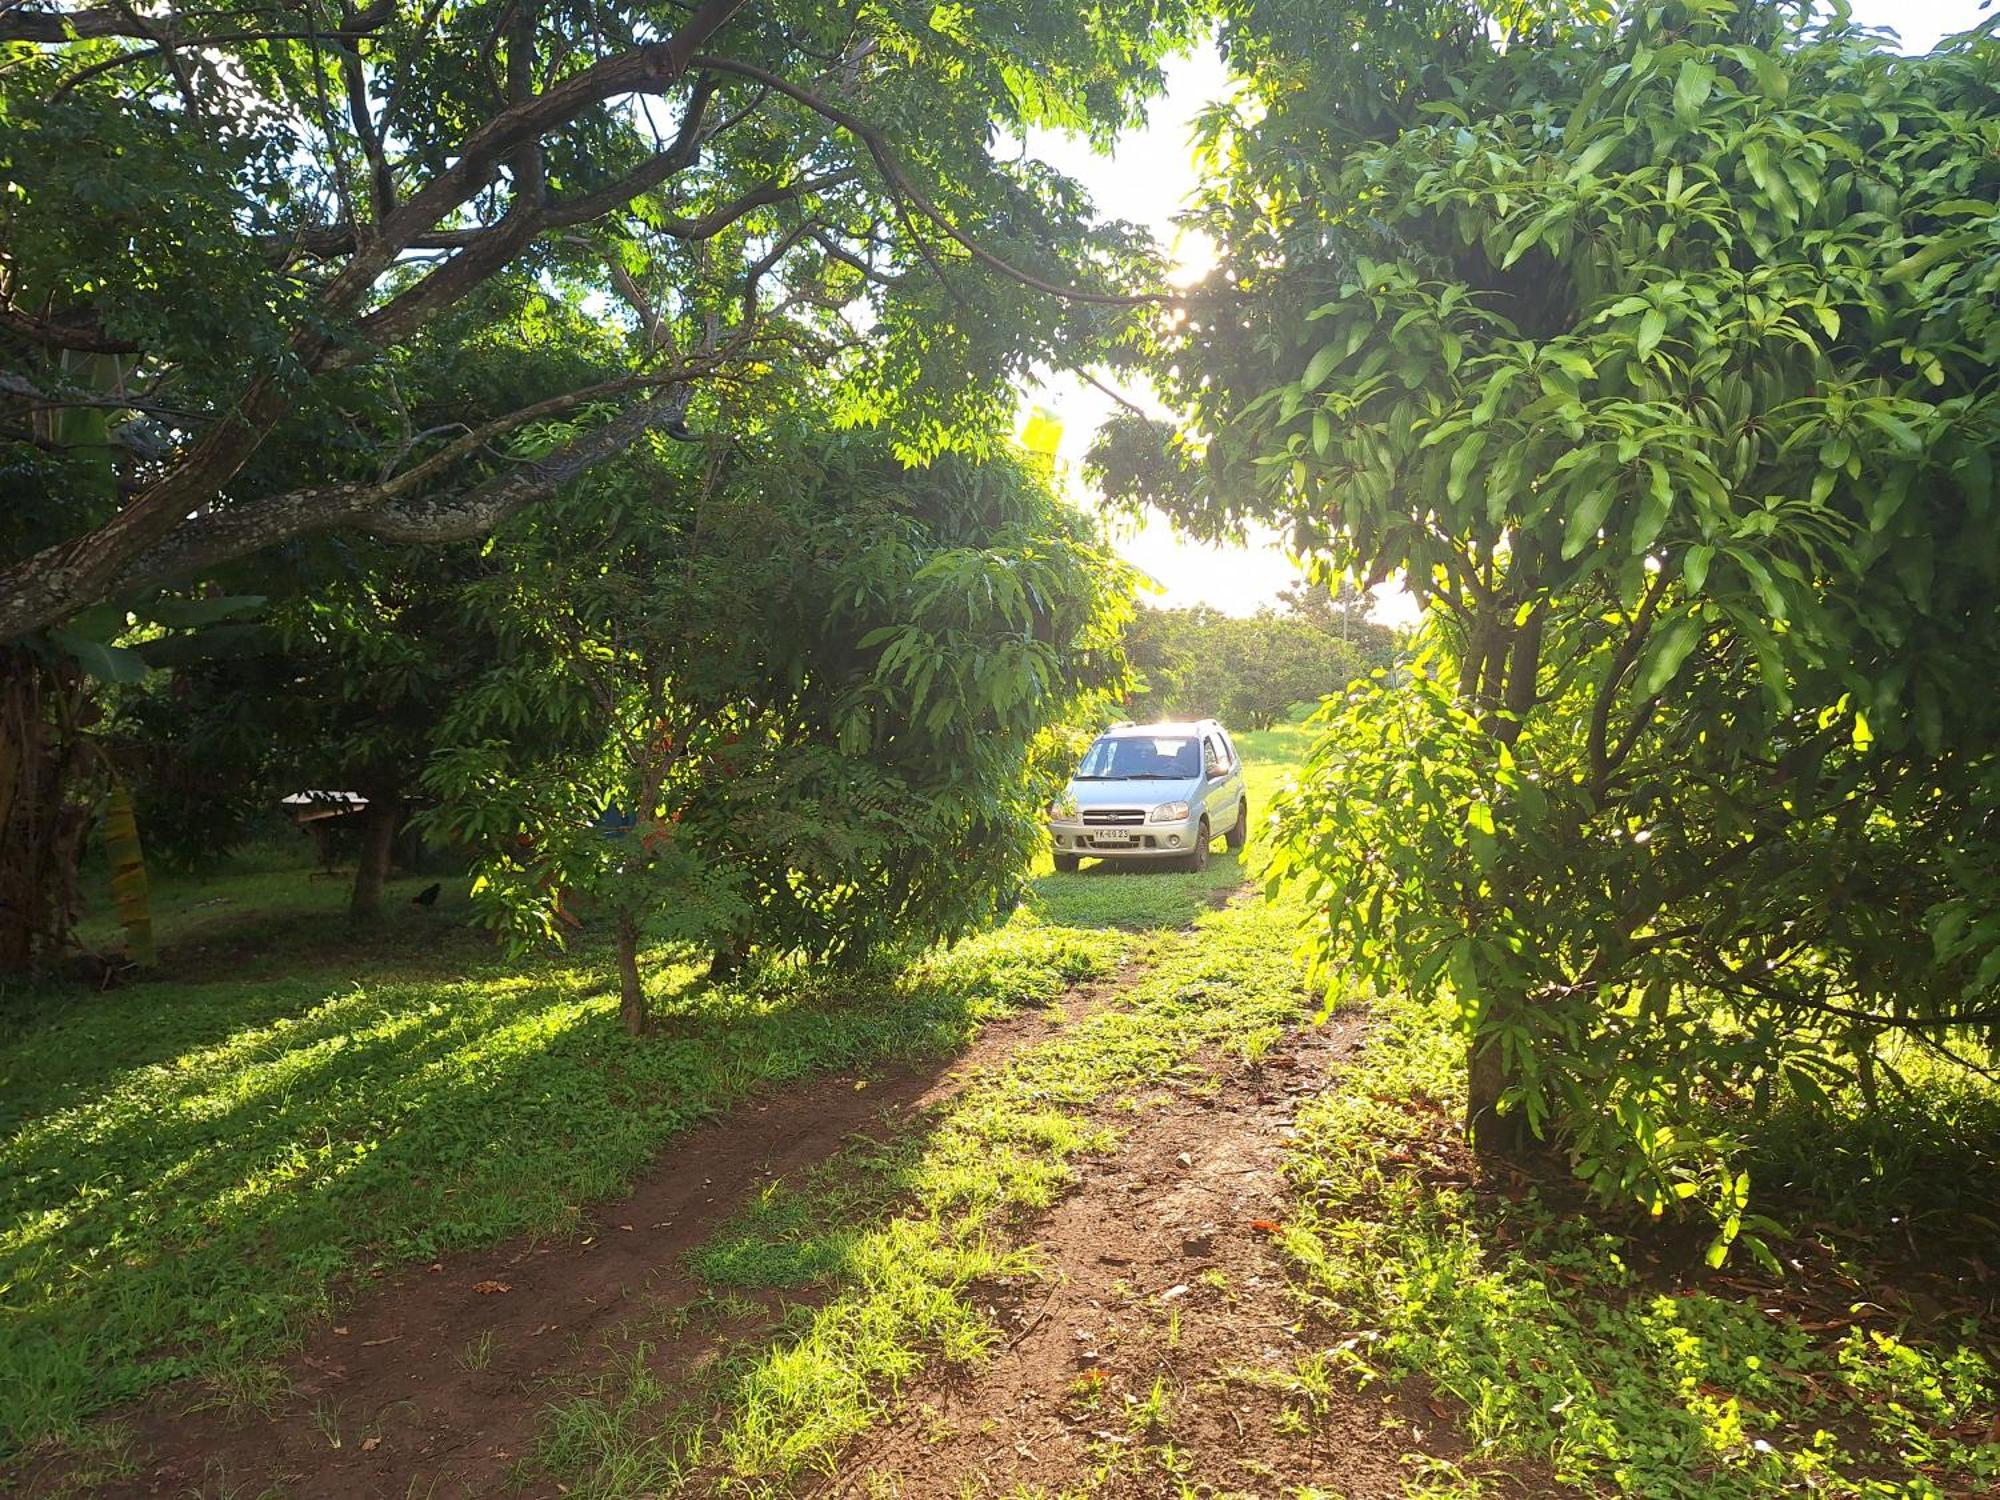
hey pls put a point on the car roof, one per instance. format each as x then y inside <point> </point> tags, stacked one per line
<point>1165,726</point>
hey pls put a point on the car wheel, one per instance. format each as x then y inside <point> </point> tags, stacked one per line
<point>1239,831</point>
<point>1198,860</point>
<point>1066,863</point>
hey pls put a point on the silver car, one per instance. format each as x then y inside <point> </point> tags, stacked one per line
<point>1153,792</point>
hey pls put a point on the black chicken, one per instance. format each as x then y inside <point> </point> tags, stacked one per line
<point>428,895</point>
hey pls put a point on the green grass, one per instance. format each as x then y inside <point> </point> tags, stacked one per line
<point>1562,1348</point>
<point>189,1166</point>
<point>899,1236</point>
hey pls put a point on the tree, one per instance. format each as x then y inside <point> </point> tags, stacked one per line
<point>341,675</point>
<point>225,230</point>
<point>801,700</point>
<point>1340,610</point>
<point>213,214</point>
<point>1656,350</point>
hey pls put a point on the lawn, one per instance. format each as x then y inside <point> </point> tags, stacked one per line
<point>195,1168</point>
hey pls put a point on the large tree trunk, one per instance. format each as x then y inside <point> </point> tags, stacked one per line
<point>1492,1134</point>
<point>379,822</point>
<point>631,994</point>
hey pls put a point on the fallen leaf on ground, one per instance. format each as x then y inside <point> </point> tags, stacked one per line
<point>369,1445</point>
<point>491,1288</point>
<point>1264,1226</point>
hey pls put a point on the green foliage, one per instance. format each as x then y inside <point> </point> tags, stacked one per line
<point>802,700</point>
<point>1560,1343</point>
<point>1247,671</point>
<point>1655,350</point>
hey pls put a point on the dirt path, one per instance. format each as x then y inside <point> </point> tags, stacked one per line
<point>433,1382</point>
<point>1164,1349</point>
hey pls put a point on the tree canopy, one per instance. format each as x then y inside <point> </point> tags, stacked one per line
<point>807,710</point>
<point>1655,350</point>
<point>223,219</point>
<point>1253,670</point>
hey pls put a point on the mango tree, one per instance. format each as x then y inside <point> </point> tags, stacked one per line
<point>796,697</point>
<point>1657,352</point>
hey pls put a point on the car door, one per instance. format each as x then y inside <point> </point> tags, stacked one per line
<point>1233,787</point>
<point>1219,794</point>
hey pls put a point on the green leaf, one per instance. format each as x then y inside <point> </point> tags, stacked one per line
<point>1321,365</point>
<point>1462,460</point>
<point>1665,652</point>
<point>105,663</point>
<point>1581,528</point>
<point>1652,328</point>
<point>1654,507</point>
<point>1691,90</point>
<point>1694,572</point>
<point>1900,432</point>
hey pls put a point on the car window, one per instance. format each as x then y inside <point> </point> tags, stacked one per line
<point>1217,761</point>
<point>1141,757</point>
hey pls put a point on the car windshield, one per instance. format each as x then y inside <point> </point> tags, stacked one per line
<point>1141,757</point>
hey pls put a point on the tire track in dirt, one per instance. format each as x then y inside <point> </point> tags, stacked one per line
<point>434,1381</point>
<point>1165,1277</point>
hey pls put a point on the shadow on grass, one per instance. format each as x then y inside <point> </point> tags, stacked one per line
<point>196,1164</point>
<point>219,976</point>
<point>1925,1162</point>
<point>1134,897</point>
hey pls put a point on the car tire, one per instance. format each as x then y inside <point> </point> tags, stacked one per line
<point>1066,863</point>
<point>1196,862</point>
<point>1239,831</point>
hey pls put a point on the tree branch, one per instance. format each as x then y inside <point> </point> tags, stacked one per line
<point>903,187</point>
<point>53,335</point>
<point>209,540</point>
<point>61,579</point>
<point>56,28</point>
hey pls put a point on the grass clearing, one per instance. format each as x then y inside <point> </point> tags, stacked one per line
<point>1564,1346</point>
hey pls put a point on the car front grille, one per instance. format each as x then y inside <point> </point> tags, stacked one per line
<point>1113,817</point>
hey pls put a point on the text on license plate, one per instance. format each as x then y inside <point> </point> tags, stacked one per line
<point>1111,836</point>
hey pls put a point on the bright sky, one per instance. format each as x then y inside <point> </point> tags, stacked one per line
<point>1147,181</point>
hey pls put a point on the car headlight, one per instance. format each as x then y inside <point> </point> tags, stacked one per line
<point>1168,812</point>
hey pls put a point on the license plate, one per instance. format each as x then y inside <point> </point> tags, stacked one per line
<point>1111,836</point>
